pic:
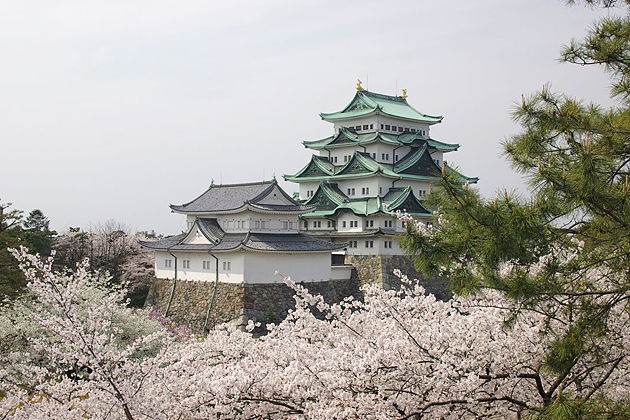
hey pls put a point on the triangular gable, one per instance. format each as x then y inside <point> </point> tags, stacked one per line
<point>360,102</point>
<point>417,162</point>
<point>327,197</point>
<point>195,236</point>
<point>317,167</point>
<point>405,200</point>
<point>275,196</point>
<point>359,164</point>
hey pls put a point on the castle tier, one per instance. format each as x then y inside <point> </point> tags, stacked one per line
<point>244,233</point>
<point>380,160</point>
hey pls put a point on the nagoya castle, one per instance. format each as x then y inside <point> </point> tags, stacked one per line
<point>380,159</point>
<point>333,236</point>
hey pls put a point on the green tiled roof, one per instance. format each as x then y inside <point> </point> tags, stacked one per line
<point>348,137</point>
<point>366,103</point>
<point>330,201</point>
<point>416,165</point>
<point>318,167</point>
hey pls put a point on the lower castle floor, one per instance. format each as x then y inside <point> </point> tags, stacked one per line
<point>269,303</point>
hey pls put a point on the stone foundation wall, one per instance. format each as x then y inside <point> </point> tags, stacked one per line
<point>379,269</point>
<point>192,299</point>
<point>270,303</point>
<point>237,303</point>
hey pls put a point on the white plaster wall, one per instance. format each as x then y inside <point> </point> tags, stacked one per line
<point>324,224</point>
<point>385,120</point>
<point>340,152</point>
<point>376,151</point>
<point>307,186</point>
<point>347,217</point>
<point>248,219</point>
<point>261,267</point>
<point>341,272</point>
<point>401,152</point>
<point>196,237</point>
<point>394,250</point>
<point>190,219</point>
<point>357,122</point>
<point>438,157</point>
<point>416,186</point>
<point>196,271</point>
<point>383,185</point>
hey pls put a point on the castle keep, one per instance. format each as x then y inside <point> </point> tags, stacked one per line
<point>336,234</point>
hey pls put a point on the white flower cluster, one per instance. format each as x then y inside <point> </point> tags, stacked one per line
<point>395,354</point>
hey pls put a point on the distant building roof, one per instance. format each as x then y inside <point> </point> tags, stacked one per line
<point>228,198</point>
<point>261,242</point>
<point>366,103</point>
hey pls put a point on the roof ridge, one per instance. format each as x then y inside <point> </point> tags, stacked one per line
<point>384,96</point>
<point>243,184</point>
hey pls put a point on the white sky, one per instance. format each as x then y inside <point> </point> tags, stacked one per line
<point>114,109</point>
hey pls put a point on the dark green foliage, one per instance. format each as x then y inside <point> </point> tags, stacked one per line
<point>11,278</point>
<point>567,247</point>
<point>37,233</point>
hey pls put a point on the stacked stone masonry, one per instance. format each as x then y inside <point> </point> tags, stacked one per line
<point>270,303</point>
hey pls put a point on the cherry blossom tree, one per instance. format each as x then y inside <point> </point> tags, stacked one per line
<point>397,354</point>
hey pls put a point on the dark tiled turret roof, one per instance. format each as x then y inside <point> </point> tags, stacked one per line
<point>221,241</point>
<point>230,197</point>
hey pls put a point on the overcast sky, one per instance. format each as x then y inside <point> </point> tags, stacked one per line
<point>114,109</point>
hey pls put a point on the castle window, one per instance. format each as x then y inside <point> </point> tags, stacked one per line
<point>354,243</point>
<point>343,224</point>
<point>227,265</point>
<point>345,158</point>
<point>365,126</point>
<point>373,155</point>
<point>388,244</point>
<point>186,263</point>
<point>396,158</point>
<point>365,190</point>
<point>380,190</point>
<point>168,263</point>
<point>371,126</point>
<point>369,244</point>
<point>406,129</point>
<point>400,129</point>
<point>335,159</point>
<point>381,126</point>
<point>206,265</point>
<point>329,223</point>
<point>285,224</point>
<point>387,127</point>
<point>305,224</point>
<point>358,127</point>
